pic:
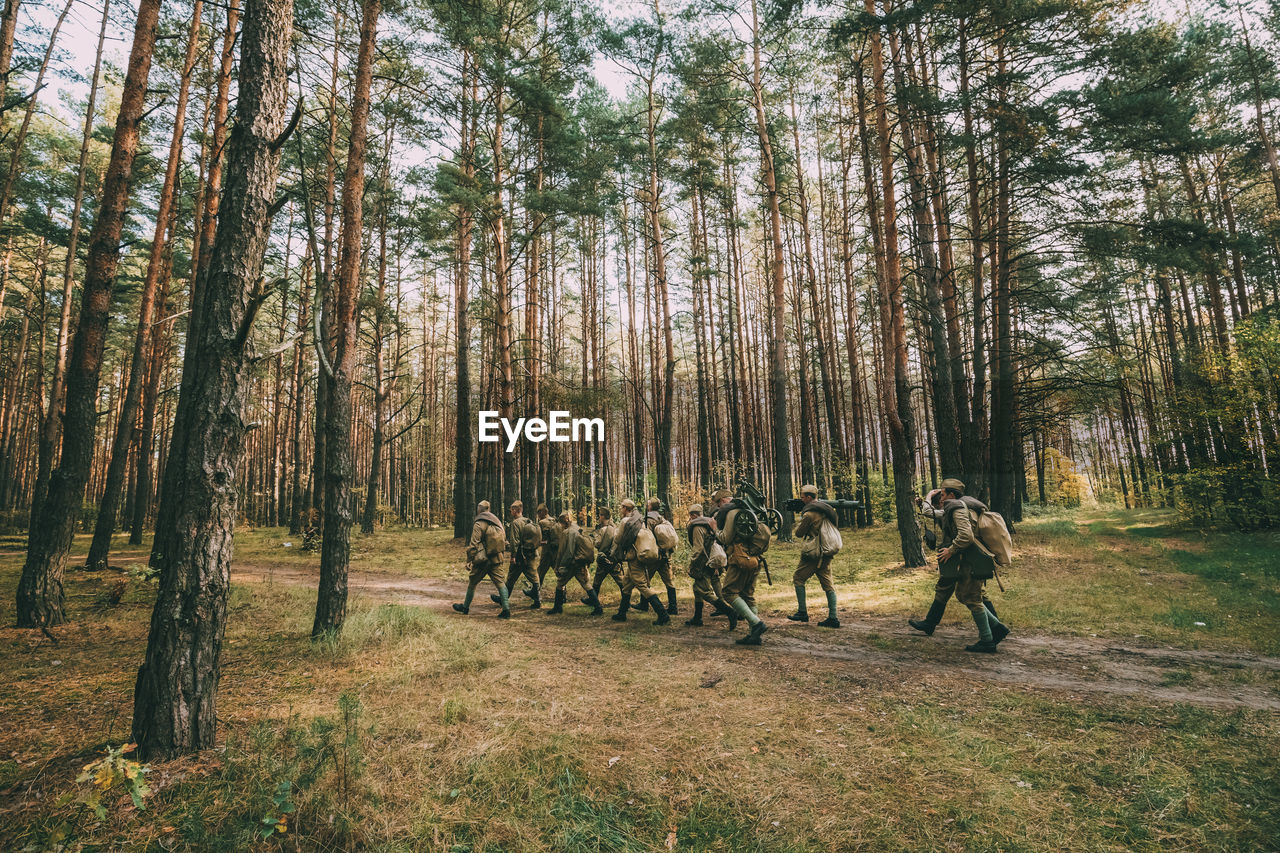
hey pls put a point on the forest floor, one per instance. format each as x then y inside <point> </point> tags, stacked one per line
<point>1135,706</point>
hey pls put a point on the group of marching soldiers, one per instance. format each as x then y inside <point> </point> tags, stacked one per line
<point>727,552</point>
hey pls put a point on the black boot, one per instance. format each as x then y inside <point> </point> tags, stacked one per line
<point>991,608</point>
<point>671,601</point>
<point>696,621</point>
<point>623,607</point>
<point>799,616</point>
<point>595,590</point>
<point>642,605</point>
<point>558,607</point>
<point>462,608</point>
<point>931,619</point>
<point>999,631</point>
<point>984,646</point>
<point>593,600</point>
<point>753,636</point>
<point>722,609</point>
<point>536,595</point>
<point>656,604</point>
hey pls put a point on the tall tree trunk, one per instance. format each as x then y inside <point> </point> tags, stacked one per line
<point>175,698</point>
<point>101,545</point>
<point>40,594</point>
<point>50,425</point>
<point>898,405</point>
<point>778,344</point>
<point>464,475</point>
<point>335,549</point>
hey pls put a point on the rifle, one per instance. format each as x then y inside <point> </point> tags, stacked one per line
<point>764,564</point>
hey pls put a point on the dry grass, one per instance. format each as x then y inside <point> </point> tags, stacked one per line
<point>475,735</point>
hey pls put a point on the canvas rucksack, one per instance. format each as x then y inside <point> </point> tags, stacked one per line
<point>666,535</point>
<point>993,533</point>
<point>646,546</point>
<point>495,540</point>
<point>584,550</point>
<point>527,534</point>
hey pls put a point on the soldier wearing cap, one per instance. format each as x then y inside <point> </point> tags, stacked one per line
<point>550,547</point>
<point>819,529</point>
<point>741,570</point>
<point>962,568</point>
<point>525,536</point>
<point>653,517</point>
<point>575,552</point>
<point>637,576</point>
<point>485,551</point>
<point>701,531</point>
<point>605,567</point>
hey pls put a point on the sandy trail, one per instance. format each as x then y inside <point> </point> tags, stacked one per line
<point>1062,664</point>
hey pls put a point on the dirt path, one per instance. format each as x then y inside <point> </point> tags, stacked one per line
<point>1073,665</point>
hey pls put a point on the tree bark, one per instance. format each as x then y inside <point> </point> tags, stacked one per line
<point>778,343</point>
<point>898,405</point>
<point>175,698</point>
<point>101,545</point>
<point>40,593</point>
<point>335,549</point>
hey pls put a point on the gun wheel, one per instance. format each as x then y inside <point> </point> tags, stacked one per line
<point>774,519</point>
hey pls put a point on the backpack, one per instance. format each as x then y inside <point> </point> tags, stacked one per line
<point>495,540</point>
<point>666,535</point>
<point>584,550</point>
<point>717,559</point>
<point>993,533</point>
<point>646,546</point>
<point>750,533</point>
<point>528,536</point>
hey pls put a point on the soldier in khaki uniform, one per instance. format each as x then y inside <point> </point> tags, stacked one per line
<point>653,517</point>
<point>550,544</point>
<point>701,531</point>
<point>523,558</point>
<point>812,562</point>
<point>963,568</point>
<point>484,562</point>
<point>575,553</point>
<point>931,508</point>
<point>740,574</point>
<point>637,577</point>
<point>605,567</point>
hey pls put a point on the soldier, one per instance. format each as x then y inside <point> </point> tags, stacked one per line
<point>484,558</point>
<point>963,567</point>
<point>525,536</point>
<point>605,567</point>
<point>550,546</point>
<point>819,527</point>
<point>743,567</point>
<point>931,508</point>
<point>630,544</point>
<point>706,561</point>
<point>575,554</point>
<point>667,541</point>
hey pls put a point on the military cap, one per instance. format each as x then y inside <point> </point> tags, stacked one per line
<point>627,503</point>
<point>696,509</point>
<point>809,490</point>
<point>721,495</point>
<point>951,484</point>
<point>542,508</point>
<point>517,504</point>
<point>483,506</point>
